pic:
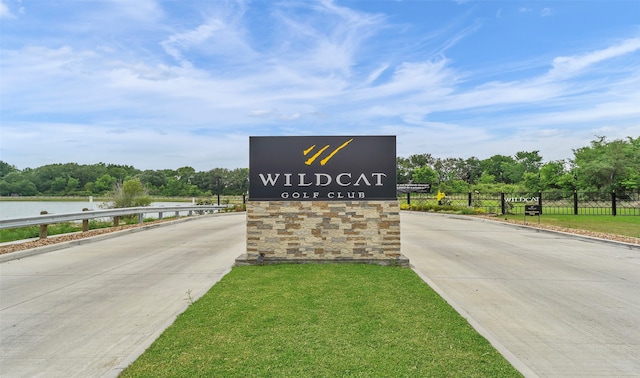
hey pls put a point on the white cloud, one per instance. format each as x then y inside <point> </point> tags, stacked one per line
<point>176,43</point>
<point>211,80</point>
<point>5,12</point>
<point>262,112</point>
<point>571,65</point>
<point>546,12</point>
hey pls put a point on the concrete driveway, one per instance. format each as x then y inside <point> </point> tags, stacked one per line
<point>88,310</point>
<point>554,305</point>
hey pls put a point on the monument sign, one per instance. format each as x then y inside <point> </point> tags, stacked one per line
<point>322,198</point>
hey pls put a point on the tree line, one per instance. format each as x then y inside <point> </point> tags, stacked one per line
<point>72,179</point>
<point>603,165</point>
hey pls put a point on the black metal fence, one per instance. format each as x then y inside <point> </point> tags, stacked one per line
<point>576,203</point>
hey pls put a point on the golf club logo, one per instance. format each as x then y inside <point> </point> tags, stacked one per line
<point>322,168</point>
<point>323,149</point>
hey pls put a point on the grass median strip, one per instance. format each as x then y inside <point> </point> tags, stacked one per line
<point>320,321</point>
<point>618,225</point>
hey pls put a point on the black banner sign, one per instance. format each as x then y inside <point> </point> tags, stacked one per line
<point>532,210</point>
<point>322,168</point>
<point>414,188</point>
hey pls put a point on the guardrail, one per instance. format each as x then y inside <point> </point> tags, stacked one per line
<point>46,219</point>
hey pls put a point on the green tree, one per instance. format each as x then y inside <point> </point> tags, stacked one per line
<point>72,185</point>
<point>487,178</point>
<point>530,161</point>
<point>237,181</point>
<point>424,175</point>
<point>104,184</point>
<point>403,170</point>
<point>502,168</point>
<point>178,188</point>
<point>15,183</point>
<point>470,170</point>
<point>454,186</point>
<point>58,186</point>
<point>185,174</point>
<point>445,169</point>
<point>608,165</point>
<point>631,179</point>
<point>121,172</point>
<point>153,178</point>
<point>6,168</point>
<point>130,193</point>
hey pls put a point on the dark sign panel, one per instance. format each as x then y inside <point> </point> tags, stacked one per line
<point>532,210</point>
<point>322,168</point>
<point>414,188</point>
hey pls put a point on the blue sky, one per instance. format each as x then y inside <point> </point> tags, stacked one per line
<point>167,84</point>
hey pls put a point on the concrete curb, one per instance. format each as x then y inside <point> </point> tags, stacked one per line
<point>245,260</point>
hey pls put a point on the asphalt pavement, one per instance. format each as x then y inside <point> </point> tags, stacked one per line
<point>554,305</point>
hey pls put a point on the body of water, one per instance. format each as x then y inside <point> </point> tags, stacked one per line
<point>20,209</point>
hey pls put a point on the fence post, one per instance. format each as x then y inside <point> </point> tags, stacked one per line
<point>85,222</point>
<point>140,218</point>
<point>613,203</point>
<point>502,204</point>
<point>43,227</point>
<point>575,202</point>
<point>116,221</point>
<point>540,201</point>
<point>469,202</point>
<point>408,198</point>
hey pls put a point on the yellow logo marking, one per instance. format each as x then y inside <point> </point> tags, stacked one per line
<point>314,157</point>
<point>305,152</point>
<point>317,154</point>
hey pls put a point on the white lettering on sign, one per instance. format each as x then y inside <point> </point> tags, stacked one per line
<point>316,195</point>
<point>522,199</point>
<point>271,180</point>
<point>322,179</point>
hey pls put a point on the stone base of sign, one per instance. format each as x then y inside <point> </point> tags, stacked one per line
<point>323,232</point>
<point>245,260</point>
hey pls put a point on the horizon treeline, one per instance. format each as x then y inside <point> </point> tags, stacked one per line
<point>603,165</point>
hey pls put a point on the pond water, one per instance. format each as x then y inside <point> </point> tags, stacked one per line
<point>20,209</point>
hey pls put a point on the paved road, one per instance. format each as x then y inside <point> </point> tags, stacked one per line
<point>87,310</point>
<point>556,306</point>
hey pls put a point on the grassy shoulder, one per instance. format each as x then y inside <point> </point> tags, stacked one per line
<point>623,225</point>
<point>30,232</point>
<point>617,225</point>
<point>317,321</point>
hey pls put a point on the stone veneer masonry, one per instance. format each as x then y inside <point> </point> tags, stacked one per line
<point>323,230</point>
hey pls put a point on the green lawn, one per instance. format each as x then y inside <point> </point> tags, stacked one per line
<point>334,320</point>
<point>618,225</point>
